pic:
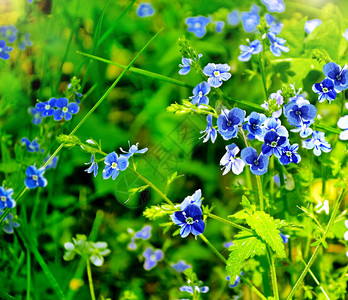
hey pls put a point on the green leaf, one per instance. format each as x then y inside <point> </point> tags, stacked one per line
<point>245,245</point>
<point>266,228</point>
<point>294,35</point>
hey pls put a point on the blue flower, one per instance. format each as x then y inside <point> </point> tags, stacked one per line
<point>93,167</point>
<point>114,165</point>
<point>24,42</point>
<point>217,73</point>
<point>219,26</point>
<point>46,108</point>
<point>30,1</point>
<point>197,25</point>
<point>9,224</point>
<point>229,160</point>
<point>255,120</point>
<point>180,266</point>
<point>132,245</point>
<point>190,220</point>
<point>35,177</point>
<point>274,144</point>
<point>325,89</point>
<point>228,244</point>
<point>337,74</point>
<point>277,44</point>
<point>254,48</point>
<point>343,124</point>
<point>289,155</point>
<point>274,103</point>
<point>210,131</point>
<point>144,233</point>
<point>250,19</point>
<point>229,121</point>
<point>152,257</point>
<point>196,199</point>
<point>133,150</point>
<point>53,163</point>
<point>285,238</point>
<point>185,66</point>
<point>273,124</point>
<point>274,25</point>
<point>274,5</point>
<point>317,143</point>
<point>4,50</point>
<point>145,10</point>
<point>200,93</point>
<point>299,112</point>
<point>258,164</point>
<point>9,32</point>
<point>236,281</point>
<point>311,25</point>
<point>6,200</point>
<point>36,114</point>
<point>65,109</point>
<point>233,17</point>
<point>189,289</point>
<point>31,146</point>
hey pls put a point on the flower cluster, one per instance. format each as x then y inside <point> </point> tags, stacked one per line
<point>143,234</point>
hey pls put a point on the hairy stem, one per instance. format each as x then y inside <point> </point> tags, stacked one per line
<point>273,274</point>
<point>259,187</point>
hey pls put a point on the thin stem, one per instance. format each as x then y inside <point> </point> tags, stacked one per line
<point>28,273</point>
<point>259,187</point>
<point>273,274</point>
<point>342,103</point>
<point>90,281</point>
<point>229,222</point>
<point>262,71</point>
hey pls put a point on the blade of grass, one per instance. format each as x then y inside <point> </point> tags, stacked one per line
<point>6,296</point>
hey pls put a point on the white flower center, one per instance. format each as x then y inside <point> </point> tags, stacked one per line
<point>317,143</point>
<point>153,257</point>
<point>114,165</point>
<point>200,94</point>
<point>216,73</point>
<point>197,25</point>
<point>65,109</point>
<point>47,106</point>
<point>35,177</point>
<point>3,198</point>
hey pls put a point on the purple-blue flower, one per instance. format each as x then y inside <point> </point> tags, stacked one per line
<point>9,32</point>
<point>325,89</point>
<point>133,150</point>
<point>284,237</point>
<point>228,244</point>
<point>210,131</point>
<point>132,245</point>
<point>273,144</point>
<point>190,220</point>
<point>310,25</point>
<point>337,74</point>
<point>53,163</point>
<point>196,199</point>
<point>274,5</point>
<point>229,121</point>
<point>36,114</point>
<point>9,224</point>
<point>144,233</point>
<point>152,257</point>
<point>236,281</point>
<point>93,168</point>
<point>230,162</point>
<point>217,73</point>
<point>189,289</point>
<point>251,19</point>
<point>197,25</point>
<point>274,25</point>
<point>46,108</point>
<point>255,120</point>
<point>34,177</point>
<point>317,143</point>
<point>273,124</point>
<point>180,266</point>
<point>200,93</point>
<point>277,44</point>
<point>299,112</point>
<point>185,66</point>
<point>289,155</point>
<point>65,109</point>
<point>343,124</point>
<point>4,50</point>
<point>31,146</point>
<point>25,42</point>
<point>233,17</point>
<point>145,10</point>
<point>6,200</point>
<point>114,164</point>
<point>219,26</point>
<point>255,47</point>
<point>258,163</point>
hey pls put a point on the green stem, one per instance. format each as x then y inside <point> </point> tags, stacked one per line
<point>273,274</point>
<point>315,253</point>
<point>342,104</point>
<point>90,281</point>
<point>262,71</point>
<point>235,225</point>
<point>28,273</point>
<point>259,187</point>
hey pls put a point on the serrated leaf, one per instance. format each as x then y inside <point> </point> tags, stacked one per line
<point>266,228</point>
<point>242,215</point>
<point>245,245</point>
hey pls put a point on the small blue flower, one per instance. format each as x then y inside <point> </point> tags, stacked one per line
<point>36,114</point>
<point>25,42</point>
<point>289,155</point>
<point>152,257</point>
<point>277,44</point>
<point>132,245</point>
<point>274,144</point>
<point>6,200</point>
<point>284,237</point>
<point>273,124</point>
<point>31,146</point>
<point>258,164</point>
<point>337,74</point>
<point>311,25</point>
<point>185,66</point>
<point>217,73</point>
<point>190,220</point>
<point>4,50</point>
<point>133,150</point>
<point>46,108</point>
<point>236,282</point>
<point>228,244</point>
<point>93,167</point>
<point>274,25</point>
<point>196,199</point>
<point>145,10</point>
<point>233,17</point>
<point>30,1</point>
<point>325,89</point>
<point>317,143</point>
<point>189,289</point>
<point>230,162</point>
<point>144,233</point>
<point>65,109</point>
<point>250,20</point>
<point>255,47</point>
<point>219,26</point>
<point>180,266</point>
<point>343,124</point>
<point>9,224</point>
<point>53,163</point>
<point>274,5</point>
<point>299,112</point>
<point>9,32</point>
<point>35,177</point>
<point>210,131</point>
<point>114,164</point>
<point>197,25</point>
<point>255,120</point>
<point>229,121</point>
<point>200,93</point>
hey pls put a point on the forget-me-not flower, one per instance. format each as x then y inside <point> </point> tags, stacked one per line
<point>317,143</point>
<point>25,42</point>
<point>9,32</point>
<point>53,163</point>
<point>258,163</point>
<point>251,19</point>
<point>152,257</point>
<point>133,150</point>
<point>277,44</point>
<point>197,25</point>
<point>114,164</point>
<point>144,233</point>
<point>36,114</point>
<point>289,155</point>
<point>233,17</point>
<point>274,25</point>
<point>236,281</point>
<point>310,25</point>
<point>31,146</point>
<point>343,124</point>
<point>4,50</point>
<point>93,168</point>
<point>34,177</point>
<point>337,74</point>
<point>284,237</point>
<point>273,124</point>
<point>230,162</point>
<point>217,73</point>
<point>274,5</point>
<point>210,131</point>
<point>185,66</point>
<point>228,122</point>
<point>200,93</point>
<point>6,200</point>
<point>189,289</point>
<point>180,266</point>
<point>9,224</point>
<point>46,108</point>
<point>300,112</point>
<point>145,10</point>
<point>219,26</point>
<point>325,89</point>
<point>255,120</point>
<point>196,199</point>
<point>273,144</point>
<point>255,47</point>
<point>65,109</point>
